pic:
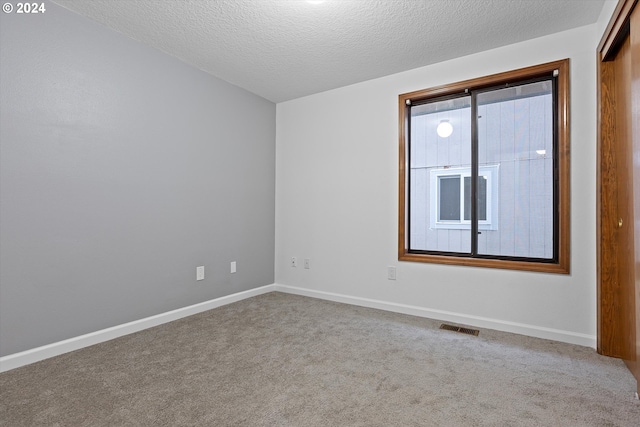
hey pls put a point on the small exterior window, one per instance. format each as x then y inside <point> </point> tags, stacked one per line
<point>484,171</point>
<point>450,194</point>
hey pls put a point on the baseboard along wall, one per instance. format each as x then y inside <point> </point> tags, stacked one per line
<point>448,316</point>
<point>16,360</point>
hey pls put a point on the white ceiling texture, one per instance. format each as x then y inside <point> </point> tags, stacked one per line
<point>286,49</point>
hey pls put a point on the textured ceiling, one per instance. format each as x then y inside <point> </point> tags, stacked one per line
<point>285,49</point>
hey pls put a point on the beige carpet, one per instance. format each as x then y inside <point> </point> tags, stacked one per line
<point>285,360</point>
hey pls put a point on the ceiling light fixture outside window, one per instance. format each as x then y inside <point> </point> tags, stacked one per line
<point>444,129</point>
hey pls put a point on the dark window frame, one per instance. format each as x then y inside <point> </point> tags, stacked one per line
<point>561,262</point>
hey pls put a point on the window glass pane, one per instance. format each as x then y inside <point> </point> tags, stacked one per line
<point>449,198</point>
<point>482,198</point>
<point>434,220</point>
<point>515,131</point>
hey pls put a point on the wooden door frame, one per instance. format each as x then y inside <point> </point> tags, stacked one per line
<point>606,230</point>
<point>617,31</point>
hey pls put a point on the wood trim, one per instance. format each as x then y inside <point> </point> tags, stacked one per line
<point>564,157</point>
<point>402,171</point>
<point>564,199</point>
<point>541,267</point>
<point>634,364</point>
<point>607,307</point>
<point>617,195</point>
<point>615,31</point>
<point>487,81</point>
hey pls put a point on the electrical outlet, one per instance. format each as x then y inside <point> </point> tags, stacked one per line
<point>307,263</point>
<point>200,273</point>
<point>391,273</point>
<point>294,261</point>
<point>233,267</point>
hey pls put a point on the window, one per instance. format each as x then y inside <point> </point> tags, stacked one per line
<point>451,206</point>
<point>484,171</point>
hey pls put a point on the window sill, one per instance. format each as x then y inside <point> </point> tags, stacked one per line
<point>541,267</point>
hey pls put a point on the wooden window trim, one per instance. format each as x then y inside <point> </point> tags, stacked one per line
<point>562,266</point>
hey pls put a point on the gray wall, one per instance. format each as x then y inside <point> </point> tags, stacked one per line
<point>122,169</point>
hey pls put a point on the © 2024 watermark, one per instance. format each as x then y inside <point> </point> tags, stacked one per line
<point>23,8</point>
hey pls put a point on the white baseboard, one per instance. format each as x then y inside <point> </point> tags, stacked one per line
<point>465,319</point>
<point>16,360</point>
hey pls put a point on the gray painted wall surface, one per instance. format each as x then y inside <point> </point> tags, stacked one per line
<point>122,169</point>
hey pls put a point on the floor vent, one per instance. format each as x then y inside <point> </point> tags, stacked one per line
<point>460,329</point>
